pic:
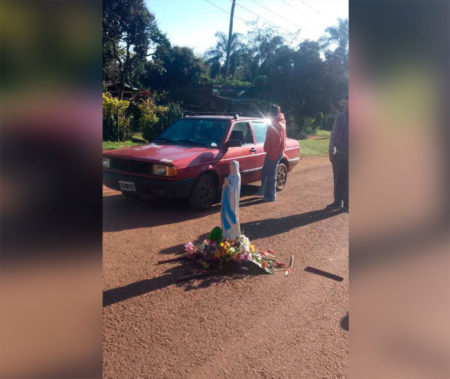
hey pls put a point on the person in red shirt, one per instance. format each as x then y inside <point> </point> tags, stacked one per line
<point>274,146</point>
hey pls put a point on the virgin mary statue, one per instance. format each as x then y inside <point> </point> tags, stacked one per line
<point>230,203</point>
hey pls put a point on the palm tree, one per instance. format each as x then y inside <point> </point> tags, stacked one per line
<point>337,35</point>
<point>216,56</point>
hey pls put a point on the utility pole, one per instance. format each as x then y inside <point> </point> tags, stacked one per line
<point>230,33</point>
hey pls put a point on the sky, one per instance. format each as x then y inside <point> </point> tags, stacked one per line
<point>193,23</point>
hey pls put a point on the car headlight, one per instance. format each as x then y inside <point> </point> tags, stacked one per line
<point>106,162</point>
<point>164,170</point>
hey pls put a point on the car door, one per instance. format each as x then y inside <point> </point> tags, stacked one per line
<point>259,130</point>
<point>243,154</point>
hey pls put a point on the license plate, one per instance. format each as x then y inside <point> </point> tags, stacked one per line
<point>127,186</point>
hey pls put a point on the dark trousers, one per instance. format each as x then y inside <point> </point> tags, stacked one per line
<point>269,178</point>
<point>340,173</point>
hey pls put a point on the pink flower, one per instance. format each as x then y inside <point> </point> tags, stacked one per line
<point>189,249</point>
<point>243,257</point>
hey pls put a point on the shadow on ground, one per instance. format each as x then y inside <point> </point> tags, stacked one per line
<point>344,322</point>
<point>268,227</point>
<point>271,226</point>
<point>120,213</point>
<point>181,275</point>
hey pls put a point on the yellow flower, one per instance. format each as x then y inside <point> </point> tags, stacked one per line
<point>252,248</point>
<point>216,254</point>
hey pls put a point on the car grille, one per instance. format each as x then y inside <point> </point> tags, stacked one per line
<point>137,167</point>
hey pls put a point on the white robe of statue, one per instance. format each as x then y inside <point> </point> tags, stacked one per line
<point>231,192</point>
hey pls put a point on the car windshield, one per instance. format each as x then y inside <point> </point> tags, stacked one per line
<point>195,132</point>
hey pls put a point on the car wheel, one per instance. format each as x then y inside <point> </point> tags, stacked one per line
<point>203,193</point>
<point>282,172</point>
<point>131,195</point>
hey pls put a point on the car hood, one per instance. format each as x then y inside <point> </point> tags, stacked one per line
<point>183,155</point>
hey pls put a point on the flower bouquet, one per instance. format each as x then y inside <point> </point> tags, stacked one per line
<point>219,253</point>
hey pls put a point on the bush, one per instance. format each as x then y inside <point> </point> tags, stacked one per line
<point>153,124</point>
<point>122,118</point>
<point>148,116</point>
<point>300,126</point>
<point>328,121</point>
<point>116,122</point>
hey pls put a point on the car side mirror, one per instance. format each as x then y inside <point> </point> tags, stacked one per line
<point>234,143</point>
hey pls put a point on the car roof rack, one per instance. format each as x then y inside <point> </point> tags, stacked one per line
<point>235,115</point>
<point>197,113</point>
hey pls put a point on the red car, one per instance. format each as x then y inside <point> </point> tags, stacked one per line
<point>191,158</point>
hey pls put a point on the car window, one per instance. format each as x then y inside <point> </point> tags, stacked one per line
<point>201,132</point>
<point>242,130</point>
<point>260,129</point>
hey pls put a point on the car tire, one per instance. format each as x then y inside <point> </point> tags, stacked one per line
<point>131,196</point>
<point>282,172</point>
<point>204,193</point>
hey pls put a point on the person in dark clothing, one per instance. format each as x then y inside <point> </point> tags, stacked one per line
<point>338,153</point>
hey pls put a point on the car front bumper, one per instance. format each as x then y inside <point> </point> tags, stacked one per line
<point>171,189</point>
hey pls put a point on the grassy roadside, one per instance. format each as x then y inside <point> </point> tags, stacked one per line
<point>109,145</point>
<point>136,140</point>
<point>315,145</point>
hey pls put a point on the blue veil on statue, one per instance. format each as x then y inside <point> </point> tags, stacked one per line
<point>231,193</point>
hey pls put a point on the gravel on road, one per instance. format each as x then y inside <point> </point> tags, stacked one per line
<point>235,326</point>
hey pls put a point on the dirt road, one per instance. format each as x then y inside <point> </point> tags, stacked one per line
<point>264,326</point>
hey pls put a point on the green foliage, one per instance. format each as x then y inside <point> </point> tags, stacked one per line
<point>148,117</point>
<point>323,134</point>
<point>129,30</point>
<point>122,118</point>
<point>156,119</point>
<point>116,122</point>
<point>172,67</point>
<point>216,56</point>
<point>328,121</point>
<point>226,82</point>
<point>216,234</point>
<point>306,81</point>
<point>111,145</point>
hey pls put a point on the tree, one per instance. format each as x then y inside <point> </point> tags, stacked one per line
<point>172,67</point>
<point>337,36</point>
<point>310,92</point>
<point>129,31</point>
<point>336,60</point>
<point>305,80</point>
<point>263,43</point>
<point>216,56</point>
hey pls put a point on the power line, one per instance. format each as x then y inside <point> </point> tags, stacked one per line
<point>265,19</point>
<point>254,13</point>
<point>276,14</point>
<point>298,10</point>
<point>284,18</point>
<point>228,13</point>
<point>309,6</point>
